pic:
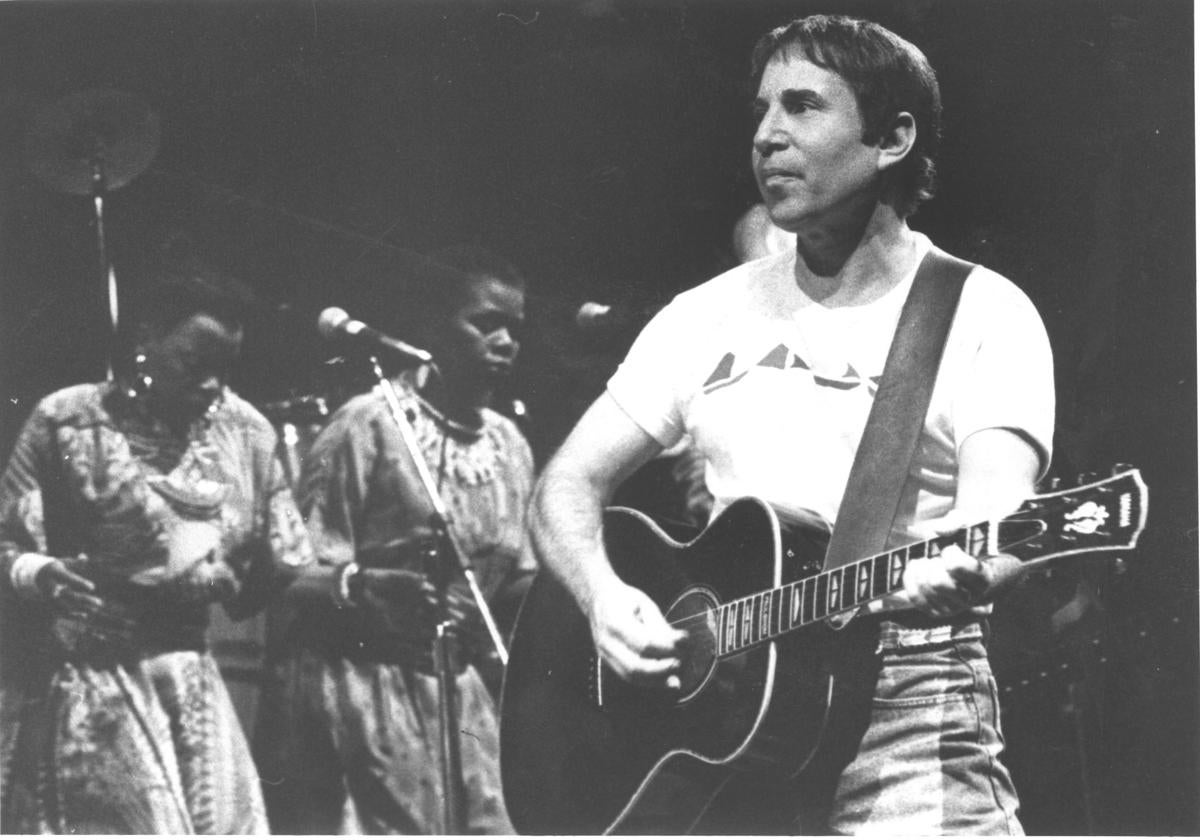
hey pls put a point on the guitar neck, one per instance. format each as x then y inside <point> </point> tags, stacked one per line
<point>763,616</point>
<point>1102,516</point>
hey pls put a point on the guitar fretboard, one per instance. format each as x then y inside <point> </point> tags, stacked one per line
<point>763,616</point>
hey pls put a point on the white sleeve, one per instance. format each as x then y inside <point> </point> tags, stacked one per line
<point>24,572</point>
<point>645,384</point>
<point>1009,382</point>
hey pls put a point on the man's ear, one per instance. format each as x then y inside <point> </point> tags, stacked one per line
<point>897,141</point>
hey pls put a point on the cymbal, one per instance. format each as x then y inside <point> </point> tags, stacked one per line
<point>67,139</point>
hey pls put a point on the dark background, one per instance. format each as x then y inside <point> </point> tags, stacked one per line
<point>603,146</point>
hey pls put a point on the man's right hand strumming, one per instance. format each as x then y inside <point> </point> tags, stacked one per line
<point>633,637</point>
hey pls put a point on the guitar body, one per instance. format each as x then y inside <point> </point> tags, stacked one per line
<point>583,752</point>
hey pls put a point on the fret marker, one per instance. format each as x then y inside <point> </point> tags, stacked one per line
<point>896,572</point>
<point>864,580</point>
<point>975,543</point>
<point>834,588</point>
<point>796,601</point>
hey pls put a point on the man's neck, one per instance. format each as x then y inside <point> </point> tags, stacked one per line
<point>852,265</point>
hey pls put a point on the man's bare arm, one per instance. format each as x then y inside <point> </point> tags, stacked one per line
<point>997,470</point>
<point>604,449</point>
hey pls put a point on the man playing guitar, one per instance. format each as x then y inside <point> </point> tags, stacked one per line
<point>772,368</point>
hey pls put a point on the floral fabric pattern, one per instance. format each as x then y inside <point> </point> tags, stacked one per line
<point>124,725</point>
<point>348,735</point>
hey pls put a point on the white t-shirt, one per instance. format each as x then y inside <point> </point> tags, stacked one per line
<point>775,388</point>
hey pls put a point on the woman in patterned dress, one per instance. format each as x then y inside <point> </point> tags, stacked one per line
<point>127,509</point>
<point>348,731</point>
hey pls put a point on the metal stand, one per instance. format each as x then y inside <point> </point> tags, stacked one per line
<point>114,312</point>
<point>92,143</point>
<point>446,557</point>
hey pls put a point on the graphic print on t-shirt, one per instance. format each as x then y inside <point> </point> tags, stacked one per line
<point>783,357</point>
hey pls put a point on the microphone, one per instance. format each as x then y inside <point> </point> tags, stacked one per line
<point>604,318</point>
<point>335,322</point>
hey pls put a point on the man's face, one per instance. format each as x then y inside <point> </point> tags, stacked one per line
<point>809,158</point>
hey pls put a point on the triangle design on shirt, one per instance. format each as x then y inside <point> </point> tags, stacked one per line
<point>783,357</point>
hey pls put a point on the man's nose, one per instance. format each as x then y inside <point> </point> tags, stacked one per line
<point>769,135</point>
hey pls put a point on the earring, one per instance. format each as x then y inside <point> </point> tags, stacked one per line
<point>142,381</point>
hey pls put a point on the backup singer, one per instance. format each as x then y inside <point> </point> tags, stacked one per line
<point>350,733</point>
<point>128,508</point>
<point>770,369</point>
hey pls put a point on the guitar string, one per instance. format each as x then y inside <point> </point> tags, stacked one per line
<point>702,618</point>
<point>714,616</point>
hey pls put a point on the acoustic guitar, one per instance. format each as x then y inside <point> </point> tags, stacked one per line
<point>584,752</point>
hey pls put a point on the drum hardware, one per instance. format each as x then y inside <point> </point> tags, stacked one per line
<point>298,421</point>
<point>93,143</point>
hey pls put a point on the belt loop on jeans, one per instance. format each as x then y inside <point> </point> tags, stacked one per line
<point>911,630</point>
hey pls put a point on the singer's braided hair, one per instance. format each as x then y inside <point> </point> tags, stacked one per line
<point>469,261</point>
<point>175,280</point>
<point>446,275</point>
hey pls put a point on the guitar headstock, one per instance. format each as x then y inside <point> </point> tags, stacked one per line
<point>1101,515</point>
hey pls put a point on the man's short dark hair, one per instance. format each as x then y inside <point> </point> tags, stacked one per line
<point>887,74</point>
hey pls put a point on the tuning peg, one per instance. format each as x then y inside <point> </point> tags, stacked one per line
<point>1119,468</point>
<point>1087,477</point>
<point>1053,483</point>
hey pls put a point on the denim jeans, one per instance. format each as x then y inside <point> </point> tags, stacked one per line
<point>929,760</point>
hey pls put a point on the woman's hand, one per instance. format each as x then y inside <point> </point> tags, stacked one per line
<point>194,572</point>
<point>65,590</point>
<point>206,581</point>
<point>397,601</point>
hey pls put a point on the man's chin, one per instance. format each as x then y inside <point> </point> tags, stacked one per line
<point>785,215</point>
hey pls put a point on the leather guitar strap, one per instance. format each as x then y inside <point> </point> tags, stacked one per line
<point>889,440</point>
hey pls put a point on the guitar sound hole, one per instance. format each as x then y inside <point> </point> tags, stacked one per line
<point>696,613</point>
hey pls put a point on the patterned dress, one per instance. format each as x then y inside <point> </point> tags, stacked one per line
<point>349,729</point>
<point>119,722</point>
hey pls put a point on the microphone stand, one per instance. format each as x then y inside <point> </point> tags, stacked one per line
<point>442,553</point>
